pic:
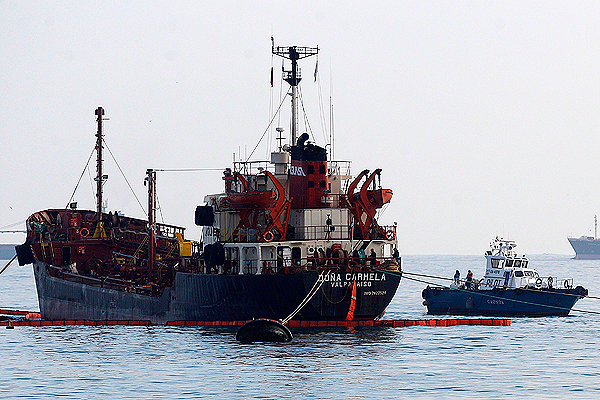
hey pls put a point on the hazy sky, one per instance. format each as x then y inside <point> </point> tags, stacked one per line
<point>484,116</point>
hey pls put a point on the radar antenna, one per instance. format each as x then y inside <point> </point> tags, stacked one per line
<point>293,77</point>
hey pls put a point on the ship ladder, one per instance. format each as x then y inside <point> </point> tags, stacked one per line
<point>139,249</point>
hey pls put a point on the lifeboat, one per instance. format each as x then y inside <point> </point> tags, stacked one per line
<point>379,197</point>
<point>255,200</point>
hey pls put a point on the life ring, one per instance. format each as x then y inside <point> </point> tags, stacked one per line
<point>390,235</point>
<point>268,236</point>
<point>225,202</point>
<point>84,232</point>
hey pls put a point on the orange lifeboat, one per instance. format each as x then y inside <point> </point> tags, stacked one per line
<point>379,197</point>
<point>254,200</point>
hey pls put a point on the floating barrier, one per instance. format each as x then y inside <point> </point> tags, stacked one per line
<point>13,312</point>
<point>32,319</point>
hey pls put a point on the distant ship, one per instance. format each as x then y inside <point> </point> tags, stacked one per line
<point>587,247</point>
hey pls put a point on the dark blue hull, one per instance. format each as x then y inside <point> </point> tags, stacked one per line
<point>212,297</point>
<point>502,303</point>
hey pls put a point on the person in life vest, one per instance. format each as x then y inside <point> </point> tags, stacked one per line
<point>469,279</point>
<point>457,278</point>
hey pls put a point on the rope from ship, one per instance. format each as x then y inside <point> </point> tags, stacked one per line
<point>342,299</point>
<point>311,293</point>
<point>10,262</point>
<point>497,286</point>
<point>267,129</point>
<point>488,295</point>
<point>81,176</point>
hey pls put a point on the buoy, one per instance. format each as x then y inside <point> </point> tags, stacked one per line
<point>263,330</point>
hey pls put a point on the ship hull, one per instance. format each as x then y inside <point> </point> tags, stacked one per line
<point>217,297</point>
<point>502,303</point>
<point>585,248</point>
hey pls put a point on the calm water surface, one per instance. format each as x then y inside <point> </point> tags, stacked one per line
<point>535,357</point>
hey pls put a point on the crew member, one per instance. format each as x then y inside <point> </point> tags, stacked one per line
<point>373,258</point>
<point>457,278</point>
<point>469,279</point>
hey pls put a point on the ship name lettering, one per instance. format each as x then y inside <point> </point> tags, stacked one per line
<point>365,276</point>
<point>331,278</point>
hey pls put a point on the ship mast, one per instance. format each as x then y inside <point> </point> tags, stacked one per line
<point>100,178</point>
<point>293,77</point>
<point>151,180</point>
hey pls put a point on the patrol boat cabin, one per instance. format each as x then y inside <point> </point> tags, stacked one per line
<point>507,270</point>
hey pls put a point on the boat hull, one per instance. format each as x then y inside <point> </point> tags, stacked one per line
<point>509,302</point>
<point>585,248</point>
<point>217,297</point>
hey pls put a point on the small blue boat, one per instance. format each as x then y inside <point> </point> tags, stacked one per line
<point>509,288</point>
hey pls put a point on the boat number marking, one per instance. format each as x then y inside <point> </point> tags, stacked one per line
<point>495,302</point>
<point>376,293</point>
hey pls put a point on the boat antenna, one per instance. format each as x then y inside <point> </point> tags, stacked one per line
<point>293,77</point>
<point>331,127</point>
<point>100,177</point>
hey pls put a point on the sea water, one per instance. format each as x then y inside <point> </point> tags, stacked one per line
<point>549,357</point>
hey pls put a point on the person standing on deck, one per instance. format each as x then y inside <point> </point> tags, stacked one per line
<point>469,279</point>
<point>457,278</point>
<point>373,258</point>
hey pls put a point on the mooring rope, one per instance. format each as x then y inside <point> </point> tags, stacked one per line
<point>10,262</point>
<point>311,293</point>
<point>401,274</point>
<point>496,286</point>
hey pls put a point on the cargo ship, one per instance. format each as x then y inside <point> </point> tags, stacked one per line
<point>510,287</point>
<point>295,236</point>
<point>587,247</point>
